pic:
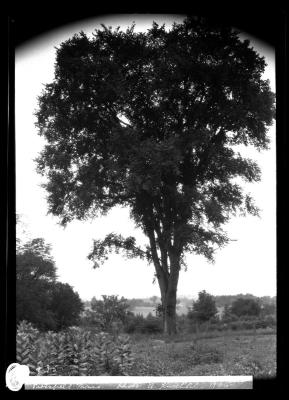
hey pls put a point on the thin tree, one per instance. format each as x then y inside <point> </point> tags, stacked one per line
<point>149,121</point>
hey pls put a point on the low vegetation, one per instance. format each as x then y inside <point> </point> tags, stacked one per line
<point>111,340</point>
<point>242,353</point>
<point>73,352</point>
<point>78,351</point>
<point>58,334</point>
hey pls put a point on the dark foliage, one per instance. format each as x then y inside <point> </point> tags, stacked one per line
<point>246,307</point>
<point>110,312</point>
<point>40,299</point>
<point>139,324</point>
<point>35,277</point>
<point>204,309</point>
<point>149,121</point>
<point>66,305</point>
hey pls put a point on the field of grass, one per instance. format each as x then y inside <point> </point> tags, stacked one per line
<point>232,353</point>
<point>82,351</point>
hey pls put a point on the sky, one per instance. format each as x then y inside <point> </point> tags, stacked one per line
<point>246,265</point>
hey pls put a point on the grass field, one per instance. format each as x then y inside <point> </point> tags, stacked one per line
<point>233,353</point>
<point>83,351</point>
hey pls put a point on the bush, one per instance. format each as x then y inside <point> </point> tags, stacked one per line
<point>66,305</point>
<point>249,324</point>
<point>270,320</point>
<point>139,324</point>
<point>261,324</point>
<point>204,309</point>
<point>252,323</point>
<point>109,313</point>
<point>152,325</point>
<point>134,323</point>
<point>237,325</point>
<point>243,323</point>
<point>228,317</point>
<point>40,299</point>
<point>73,352</point>
<point>245,307</point>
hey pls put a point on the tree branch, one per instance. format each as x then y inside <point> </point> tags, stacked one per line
<point>113,242</point>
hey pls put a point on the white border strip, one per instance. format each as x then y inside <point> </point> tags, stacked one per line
<point>138,382</point>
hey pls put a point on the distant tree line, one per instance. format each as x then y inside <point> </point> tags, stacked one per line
<point>221,301</point>
<point>227,300</point>
<point>114,315</point>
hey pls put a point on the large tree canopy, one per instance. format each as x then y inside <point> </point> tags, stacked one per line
<point>34,261</point>
<point>149,120</point>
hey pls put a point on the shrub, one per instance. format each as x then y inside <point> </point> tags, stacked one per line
<point>26,340</point>
<point>242,323</point>
<point>40,299</point>
<point>270,320</point>
<point>139,324</point>
<point>204,308</point>
<point>261,324</point>
<point>66,305</point>
<point>152,325</point>
<point>246,307</point>
<point>109,312</point>
<point>228,317</point>
<point>237,325</point>
<point>249,324</point>
<point>134,324</point>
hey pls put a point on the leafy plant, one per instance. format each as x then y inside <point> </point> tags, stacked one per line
<point>73,352</point>
<point>110,313</point>
<point>204,309</point>
<point>40,299</point>
<point>246,307</point>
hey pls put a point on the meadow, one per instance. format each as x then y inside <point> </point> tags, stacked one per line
<point>82,351</point>
<point>213,353</point>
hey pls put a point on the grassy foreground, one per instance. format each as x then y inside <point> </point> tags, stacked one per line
<point>80,351</point>
<point>232,353</point>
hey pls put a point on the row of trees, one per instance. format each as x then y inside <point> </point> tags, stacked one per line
<point>204,309</point>
<point>113,314</point>
<point>40,298</point>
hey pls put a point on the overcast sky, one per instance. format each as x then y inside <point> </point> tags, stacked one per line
<point>247,265</point>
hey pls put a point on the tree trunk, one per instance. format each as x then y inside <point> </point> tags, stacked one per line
<point>170,321</point>
<point>169,299</point>
<point>167,279</point>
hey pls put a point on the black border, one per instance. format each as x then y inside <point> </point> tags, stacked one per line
<point>269,25</point>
